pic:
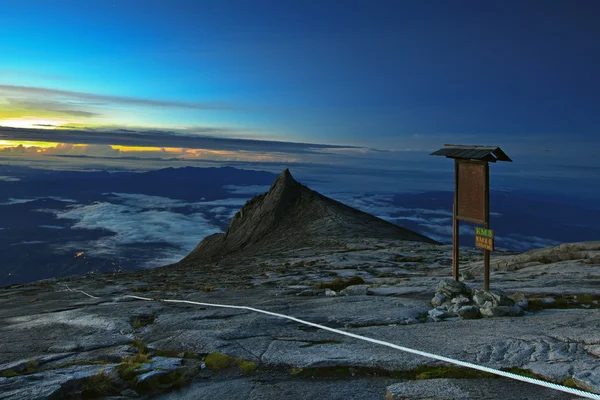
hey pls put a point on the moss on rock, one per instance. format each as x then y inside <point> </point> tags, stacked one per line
<point>218,361</point>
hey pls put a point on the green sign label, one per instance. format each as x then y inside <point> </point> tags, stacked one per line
<point>484,232</point>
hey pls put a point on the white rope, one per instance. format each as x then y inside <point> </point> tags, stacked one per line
<point>383,343</point>
<point>80,291</point>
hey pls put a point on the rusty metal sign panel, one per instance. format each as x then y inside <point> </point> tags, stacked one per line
<point>484,238</point>
<point>471,191</point>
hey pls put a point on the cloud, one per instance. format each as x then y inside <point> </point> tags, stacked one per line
<point>20,149</point>
<point>60,107</point>
<point>65,150</point>
<point>12,201</point>
<point>135,220</point>
<point>52,227</point>
<point>446,230</point>
<point>159,202</point>
<point>382,206</point>
<point>145,201</point>
<point>218,210</point>
<point>224,213</point>
<point>162,139</point>
<point>9,179</point>
<point>232,202</point>
<point>247,189</point>
<point>131,226</point>
<point>436,221</point>
<point>39,91</point>
<point>523,242</point>
<point>436,224</point>
<point>95,150</point>
<point>443,234</point>
<point>378,204</point>
<point>437,238</point>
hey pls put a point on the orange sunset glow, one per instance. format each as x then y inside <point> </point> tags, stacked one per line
<point>36,148</point>
<point>32,123</point>
<point>16,143</point>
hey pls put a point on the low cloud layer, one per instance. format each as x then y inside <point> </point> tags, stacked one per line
<point>436,224</point>
<point>141,201</point>
<point>524,242</point>
<point>138,220</point>
<point>198,139</point>
<point>173,227</point>
<point>130,226</point>
<point>247,189</point>
<point>381,205</point>
<point>12,201</point>
<point>64,149</point>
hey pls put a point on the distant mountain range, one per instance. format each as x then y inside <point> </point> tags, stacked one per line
<point>186,183</point>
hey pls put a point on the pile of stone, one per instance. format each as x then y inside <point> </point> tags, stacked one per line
<point>455,299</point>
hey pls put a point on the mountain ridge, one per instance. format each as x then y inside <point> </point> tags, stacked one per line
<point>291,216</point>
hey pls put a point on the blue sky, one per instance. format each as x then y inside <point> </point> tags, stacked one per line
<point>391,75</point>
<point>352,96</point>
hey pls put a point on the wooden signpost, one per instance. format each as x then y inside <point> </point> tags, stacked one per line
<point>472,198</point>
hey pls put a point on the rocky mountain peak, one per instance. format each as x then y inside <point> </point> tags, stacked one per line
<point>291,216</point>
<point>284,193</point>
<point>262,211</point>
<point>285,179</point>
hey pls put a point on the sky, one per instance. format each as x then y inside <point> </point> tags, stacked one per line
<point>356,82</point>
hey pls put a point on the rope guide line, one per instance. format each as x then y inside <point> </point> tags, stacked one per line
<point>504,374</point>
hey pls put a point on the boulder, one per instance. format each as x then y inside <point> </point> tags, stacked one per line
<point>520,300</point>
<point>438,314</point>
<point>480,297</point>
<point>468,312</point>
<point>588,380</point>
<point>355,290</point>
<point>452,288</point>
<point>461,300</point>
<point>438,300</point>
<point>500,298</point>
<point>496,297</point>
<point>330,293</point>
<point>49,384</point>
<point>501,311</point>
<point>453,308</point>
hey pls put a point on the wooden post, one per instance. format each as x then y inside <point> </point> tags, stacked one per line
<point>486,204</point>
<point>455,226</point>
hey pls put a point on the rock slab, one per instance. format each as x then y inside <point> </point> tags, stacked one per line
<point>430,389</point>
